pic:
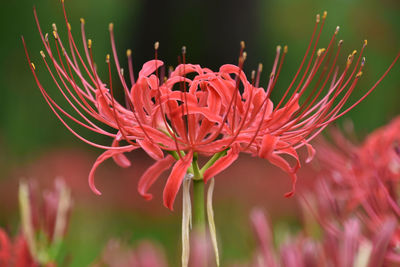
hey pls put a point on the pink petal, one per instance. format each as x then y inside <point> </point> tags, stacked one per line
<point>149,67</point>
<point>221,164</point>
<point>175,180</point>
<point>151,149</point>
<point>310,151</point>
<point>120,159</point>
<point>267,152</point>
<point>152,174</point>
<point>267,146</point>
<point>262,229</point>
<point>106,155</point>
<point>103,107</point>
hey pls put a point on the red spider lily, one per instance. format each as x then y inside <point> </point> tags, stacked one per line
<point>347,247</point>
<point>218,114</point>
<point>363,180</point>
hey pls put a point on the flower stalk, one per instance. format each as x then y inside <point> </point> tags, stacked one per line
<point>199,219</point>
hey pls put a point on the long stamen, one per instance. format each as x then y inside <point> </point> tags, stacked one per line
<point>301,64</point>
<point>167,126</point>
<point>130,66</point>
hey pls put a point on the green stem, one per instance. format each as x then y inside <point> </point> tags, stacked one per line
<point>199,216</point>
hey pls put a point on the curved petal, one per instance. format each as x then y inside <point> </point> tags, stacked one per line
<point>120,159</point>
<point>175,180</point>
<point>151,149</point>
<point>268,145</point>
<point>152,174</point>
<point>149,67</point>
<point>221,164</point>
<point>310,151</point>
<point>106,155</point>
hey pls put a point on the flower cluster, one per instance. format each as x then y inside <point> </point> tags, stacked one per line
<point>177,115</point>
<point>363,180</point>
<point>347,246</point>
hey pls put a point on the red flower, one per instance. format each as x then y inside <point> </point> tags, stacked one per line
<point>218,114</point>
<point>363,180</point>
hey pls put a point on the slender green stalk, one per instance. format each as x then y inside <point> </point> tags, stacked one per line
<point>199,216</point>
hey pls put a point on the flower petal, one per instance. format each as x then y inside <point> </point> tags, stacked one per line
<point>268,145</point>
<point>106,155</point>
<point>221,164</point>
<point>310,151</point>
<point>175,180</point>
<point>151,149</point>
<point>152,174</point>
<point>149,67</point>
<point>120,159</point>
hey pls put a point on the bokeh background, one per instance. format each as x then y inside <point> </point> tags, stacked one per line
<point>34,144</point>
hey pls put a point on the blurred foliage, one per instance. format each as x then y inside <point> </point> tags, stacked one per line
<point>211,30</point>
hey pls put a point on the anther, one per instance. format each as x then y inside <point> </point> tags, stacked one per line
<point>184,50</point>
<point>365,42</point>
<point>337,30</point>
<point>42,54</point>
<point>54,27</point>
<point>363,61</point>
<point>318,18</point>
<point>46,37</point>
<point>285,49</point>
<point>55,35</point>
<point>244,56</point>
<point>82,20</point>
<point>108,58</point>
<point>69,26</point>
<point>33,66</point>
<point>89,43</point>
<point>359,74</point>
<point>242,44</point>
<point>272,75</point>
<point>111,26</point>
<point>320,51</point>
<point>122,71</point>
<point>253,74</point>
<point>354,53</point>
<point>128,52</point>
<point>260,67</point>
<point>278,48</point>
<point>324,15</point>
<point>156,45</point>
<point>349,59</point>
<point>340,43</point>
